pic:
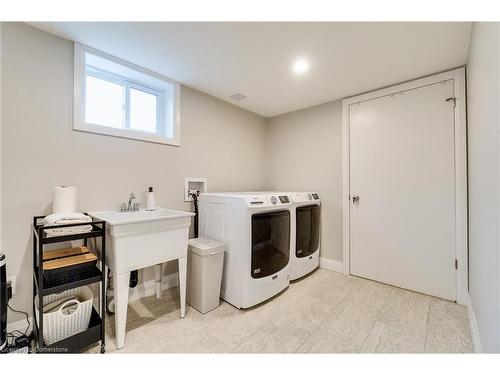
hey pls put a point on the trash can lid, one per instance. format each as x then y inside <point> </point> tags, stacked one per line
<point>204,246</point>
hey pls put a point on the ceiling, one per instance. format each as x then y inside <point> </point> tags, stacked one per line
<point>255,59</point>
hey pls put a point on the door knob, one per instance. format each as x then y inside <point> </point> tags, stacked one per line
<point>355,199</point>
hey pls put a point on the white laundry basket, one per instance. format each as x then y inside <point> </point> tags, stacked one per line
<point>58,326</point>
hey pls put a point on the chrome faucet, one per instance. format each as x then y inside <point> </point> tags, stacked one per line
<point>130,199</point>
<point>130,207</point>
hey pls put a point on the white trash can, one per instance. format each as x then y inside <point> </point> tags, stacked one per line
<point>204,273</point>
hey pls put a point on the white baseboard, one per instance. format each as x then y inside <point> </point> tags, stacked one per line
<point>148,288</point>
<point>140,291</point>
<point>331,265</point>
<point>474,328</point>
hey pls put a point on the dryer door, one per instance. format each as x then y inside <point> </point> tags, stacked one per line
<point>307,237</point>
<point>270,243</point>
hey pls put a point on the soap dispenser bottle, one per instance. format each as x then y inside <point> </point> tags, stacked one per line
<point>150,200</point>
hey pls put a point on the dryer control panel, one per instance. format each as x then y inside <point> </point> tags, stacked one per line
<point>305,197</point>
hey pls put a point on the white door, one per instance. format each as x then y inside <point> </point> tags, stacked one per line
<point>402,229</point>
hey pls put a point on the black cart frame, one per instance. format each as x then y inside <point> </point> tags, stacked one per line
<point>69,280</point>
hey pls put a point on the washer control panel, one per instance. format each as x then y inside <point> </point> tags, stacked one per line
<point>284,199</point>
<point>270,200</point>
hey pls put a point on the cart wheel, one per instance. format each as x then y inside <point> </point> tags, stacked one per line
<point>110,306</point>
<point>103,349</point>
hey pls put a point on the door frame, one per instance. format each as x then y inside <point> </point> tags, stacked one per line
<point>461,234</point>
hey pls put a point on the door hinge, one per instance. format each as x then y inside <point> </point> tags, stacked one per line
<point>453,100</point>
<point>456,264</point>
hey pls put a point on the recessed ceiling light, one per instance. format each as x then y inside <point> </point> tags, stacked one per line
<point>238,96</point>
<point>300,66</point>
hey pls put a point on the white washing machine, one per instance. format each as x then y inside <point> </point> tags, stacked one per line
<point>256,230</point>
<point>306,233</point>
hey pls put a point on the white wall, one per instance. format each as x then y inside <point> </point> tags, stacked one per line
<point>483,77</point>
<point>39,148</point>
<point>0,135</point>
<point>305,154</point>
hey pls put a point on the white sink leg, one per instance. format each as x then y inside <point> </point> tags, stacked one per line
<point>158,279</point>
<point>182,284</point>
<point>121,285</point>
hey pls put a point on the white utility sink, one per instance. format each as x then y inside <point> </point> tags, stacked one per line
<point>139,239</point>
<point>141,216</point>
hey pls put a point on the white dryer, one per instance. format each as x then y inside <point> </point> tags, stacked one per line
<point>305,234</point>
<point>256,230</point>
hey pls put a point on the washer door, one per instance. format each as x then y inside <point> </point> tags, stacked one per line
<point>307,237</point>
<point>270,243</point>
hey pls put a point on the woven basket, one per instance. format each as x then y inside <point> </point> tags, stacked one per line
<point>57,325</point>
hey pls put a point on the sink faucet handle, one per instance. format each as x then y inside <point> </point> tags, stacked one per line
<point>136,206</point>
<point>123,207</point>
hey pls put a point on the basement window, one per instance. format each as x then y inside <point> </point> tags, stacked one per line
<point>114,97</point>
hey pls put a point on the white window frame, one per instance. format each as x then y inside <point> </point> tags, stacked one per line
<point>79,123</point>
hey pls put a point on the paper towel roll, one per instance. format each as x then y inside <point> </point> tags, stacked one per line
<point>63,199</point>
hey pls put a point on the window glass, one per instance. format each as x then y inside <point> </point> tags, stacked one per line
<point>143,111</point>
<point>117,98</point>
<point>103,102</point>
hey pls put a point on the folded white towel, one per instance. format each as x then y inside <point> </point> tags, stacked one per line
<point>66,218</point>
<point>68,231</point>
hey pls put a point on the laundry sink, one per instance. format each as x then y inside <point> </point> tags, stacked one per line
<point>141,216</point>
<point>139,239</point>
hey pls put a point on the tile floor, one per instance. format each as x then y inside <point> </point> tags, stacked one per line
<point>327,312</point>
